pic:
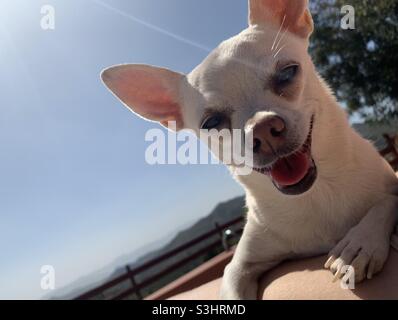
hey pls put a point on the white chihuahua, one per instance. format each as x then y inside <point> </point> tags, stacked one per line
<point>316,185</point>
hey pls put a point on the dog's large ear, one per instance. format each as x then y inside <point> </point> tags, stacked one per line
<point>151,92</point>
<point>293,15</point>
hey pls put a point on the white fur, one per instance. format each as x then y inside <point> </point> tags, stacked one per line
<point>352,177</point>
<point>353,187</point>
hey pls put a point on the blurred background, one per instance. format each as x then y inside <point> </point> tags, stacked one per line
<point>75,190</point>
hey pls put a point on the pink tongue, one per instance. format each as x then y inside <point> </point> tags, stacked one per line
<point>291,170</point>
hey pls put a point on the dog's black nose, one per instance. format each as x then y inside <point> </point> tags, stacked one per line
<point>269,134</point>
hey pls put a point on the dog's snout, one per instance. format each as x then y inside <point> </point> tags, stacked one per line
<point>269,134</point>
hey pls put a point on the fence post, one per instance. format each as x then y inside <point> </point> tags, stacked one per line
<point>390,152</point>
<point>133,283</point>
<point>222,236</point>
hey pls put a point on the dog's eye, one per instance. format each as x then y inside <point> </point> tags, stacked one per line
<point>213,122</point>
<point>286,75</point>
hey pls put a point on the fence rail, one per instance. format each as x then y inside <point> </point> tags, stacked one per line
<point>390,152</point>
<point>131,274</point>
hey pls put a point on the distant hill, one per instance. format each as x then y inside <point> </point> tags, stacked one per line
<point>221,214</point>
<point>94,279</point>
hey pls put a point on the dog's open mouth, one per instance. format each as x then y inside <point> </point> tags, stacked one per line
<point>295,173</point>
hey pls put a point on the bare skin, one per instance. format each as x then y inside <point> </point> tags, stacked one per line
<point>365,248</point>
<point>307,279</point>
<point>315,184</point>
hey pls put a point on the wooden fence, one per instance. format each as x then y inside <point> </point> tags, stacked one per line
<point>131,274</point>
<point>389,152</point>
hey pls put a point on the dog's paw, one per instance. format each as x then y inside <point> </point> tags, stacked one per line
<point>227,292</point>
<point>231,292</point>
<point>237,284</point>
<point>365,250</point>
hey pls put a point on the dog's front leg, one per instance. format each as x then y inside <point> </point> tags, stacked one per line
<point>257,252</point>
<point>366,246</point>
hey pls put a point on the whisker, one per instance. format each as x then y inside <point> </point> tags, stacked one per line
<point>280,29</point>
<point>280,49</point>
<point>281,38</point>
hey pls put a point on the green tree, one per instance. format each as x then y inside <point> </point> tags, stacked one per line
<point>361,64</point>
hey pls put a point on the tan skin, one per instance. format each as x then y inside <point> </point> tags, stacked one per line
<point>307,279</point>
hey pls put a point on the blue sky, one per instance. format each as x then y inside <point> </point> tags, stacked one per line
<point>75,190</point>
